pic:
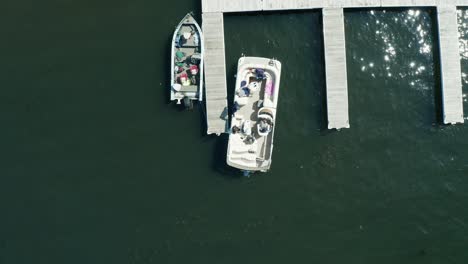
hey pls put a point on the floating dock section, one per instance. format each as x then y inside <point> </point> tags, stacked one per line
<point>215,73</point>
<point>335,68</point>
<point>450,65</point>
<point>335,52</point>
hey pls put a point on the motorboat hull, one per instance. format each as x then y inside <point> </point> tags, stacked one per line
<point>253,122</point>
<point>187,61</point>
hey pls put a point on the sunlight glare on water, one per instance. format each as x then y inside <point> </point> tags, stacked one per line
<point>420,29</point>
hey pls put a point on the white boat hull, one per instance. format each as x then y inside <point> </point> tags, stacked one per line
<point>251,135</point>
<point>186,58</point>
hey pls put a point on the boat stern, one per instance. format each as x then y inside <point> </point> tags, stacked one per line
<point>244,156</point>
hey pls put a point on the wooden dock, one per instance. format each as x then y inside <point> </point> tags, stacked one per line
<point>335,52</point>
<point>226,6</point>
<point>215,73</point>
<point>335,68</point>
<point>450,65</point>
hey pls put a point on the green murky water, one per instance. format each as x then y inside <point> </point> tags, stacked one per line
<point>98,167</point>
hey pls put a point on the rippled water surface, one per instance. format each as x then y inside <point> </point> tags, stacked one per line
<point>99,168</point>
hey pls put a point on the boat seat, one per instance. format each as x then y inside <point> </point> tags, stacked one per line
<point>238,116</point>
<point>268,103</point>
<point>241,101</point>
<point>243,152</point>
<point>246,158</point>
<point>180,55</point>
<point>189,88</point>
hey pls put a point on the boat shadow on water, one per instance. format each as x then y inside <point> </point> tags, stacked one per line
<point>219,157</point>
<point>218,162</point>
<point>167,82</point>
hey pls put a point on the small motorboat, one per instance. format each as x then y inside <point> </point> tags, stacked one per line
<point>187,62</point>
<point>253,121</point>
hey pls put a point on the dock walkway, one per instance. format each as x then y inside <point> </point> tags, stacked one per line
<point>335,52</point>
<point>226,6</point>
<point>450,65</point>
<point>335,68</point>
<point>215,73</point>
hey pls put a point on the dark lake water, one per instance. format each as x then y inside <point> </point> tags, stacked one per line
<point>98,167</point>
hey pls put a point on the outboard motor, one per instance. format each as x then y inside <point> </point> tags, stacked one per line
<point>188,103</point>
<point>246,173</point>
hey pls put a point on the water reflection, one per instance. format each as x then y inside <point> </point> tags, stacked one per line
<point>394,35</point>
<point>463,31</point>
<point>463,40</point>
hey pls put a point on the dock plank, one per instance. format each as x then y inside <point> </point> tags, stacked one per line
<point>358,3</point>
<point>450,65</point>
<point>292,4</point>
<point>215,72</point>
<point>225,6</point>
<point>217,6</point>
<point>335,68</point>
<point>407,3</point>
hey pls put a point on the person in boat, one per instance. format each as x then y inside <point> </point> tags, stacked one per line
<point>235,107</point>
<point>177,41</point>
<point>260,74</point>
<point>247,90</point>
<point>193,73</point>
<point>196,59</point>
<point>249,140</point>
<point>265,126</point>
<point>235,129</point>
<point>180,55</point>
<point>193,69</point>
<point>244,92</point>
<point>184,79</point>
